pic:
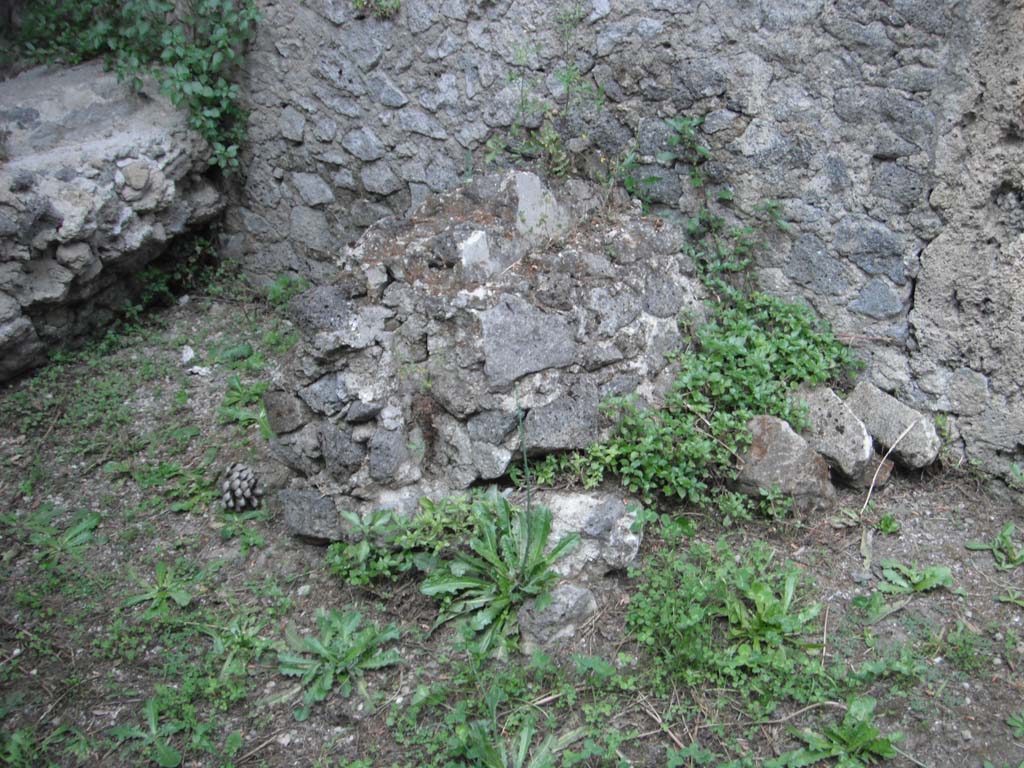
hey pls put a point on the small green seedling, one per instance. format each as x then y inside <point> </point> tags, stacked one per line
<point>168,587</point>
<point>1016,723</point>
<point>1013,597</point>
<point>371,555</point>
<point>54,547</point>
<point>874,607</point>
<point>888,525</point>
<point>154,738</point>
<point>490,751</point>
<point>235,407</point>
<point>340,655</point>
<point>855,743</point>
<point>239,642</point>
<point>899,579</point>
<point>1004,552</point>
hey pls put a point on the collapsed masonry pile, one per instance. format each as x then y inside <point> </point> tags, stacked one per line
<point>498,300</point>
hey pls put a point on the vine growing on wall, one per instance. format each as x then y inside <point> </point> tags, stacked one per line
<point>191,48</point>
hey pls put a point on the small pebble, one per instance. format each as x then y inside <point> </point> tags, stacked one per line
<point>304,590</point>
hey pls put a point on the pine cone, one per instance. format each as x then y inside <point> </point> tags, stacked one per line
<point>241,488</point>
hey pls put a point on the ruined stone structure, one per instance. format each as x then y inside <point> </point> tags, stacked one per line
<point>889,131</point>
<point>95,183</point>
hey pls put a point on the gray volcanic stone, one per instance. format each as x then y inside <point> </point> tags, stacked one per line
<point>292,124</point>
<point>570,607</point>
<point>418,359</point>
<point>311,228</point>
<point>571,422</point>
<point>810,264</point>
<point>604,522</point>
<point>95,182</point>
<point>519,339</point>
<point>418,121</point>
<point>326,395</point>
<point>9,308</point>
<point>388,93</point>
<point>871,246</point>
<point>539,214</point>
<point>778,458</point>
<point>664,297</point>
<point>285,412</point>
<point>364,144</point>
<point>360,412</point>
<point>492,426</point>
<point>342,454</point>
<point>311,515</point>
<point>490,461</point>
<point>312,189</point>
<point>836,433</point>
<point>325,307</point>
<point>334,321</point>
<point>886,418</point>
<point>878,300</point>
<point>20,347</point>
<point>300,450</point>
<point>380,179</point>
<point>387,454</point>
<point>77,257</point>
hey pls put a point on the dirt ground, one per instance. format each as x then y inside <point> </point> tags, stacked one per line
<point>151,635</point>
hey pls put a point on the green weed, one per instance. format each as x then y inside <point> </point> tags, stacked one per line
<point>285,288</point>
<point>182,489</point>
<point>899,579</point>
<point>888,525</point>
<point>54,548</point>
<point>965,649</point>
<point>1016,724</point>
<point>25,748</point>
<point>490,750</point>
<point>751,353</point>
<point>237,525</point>
<point>166,588</point>
<point>153,740</point>
<point>235,406</point>
<point>508,566</point>
<point>1004,551</point>
<point>685,147</point>
<point>339,655</point>
<point>238,642</point>
<point>1013,597</point>
<point>854,743</point>
<point>733,619</point>
<point>385,545</point>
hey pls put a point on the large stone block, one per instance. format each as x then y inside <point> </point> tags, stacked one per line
<point>836,433</point>
<point>887,419</point>
<point>779,459</point>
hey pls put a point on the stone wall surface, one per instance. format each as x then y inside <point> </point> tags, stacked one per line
<point>97,181</point>
<point>494,300</point>
<point>494,321</point>
<point>889,130</point>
